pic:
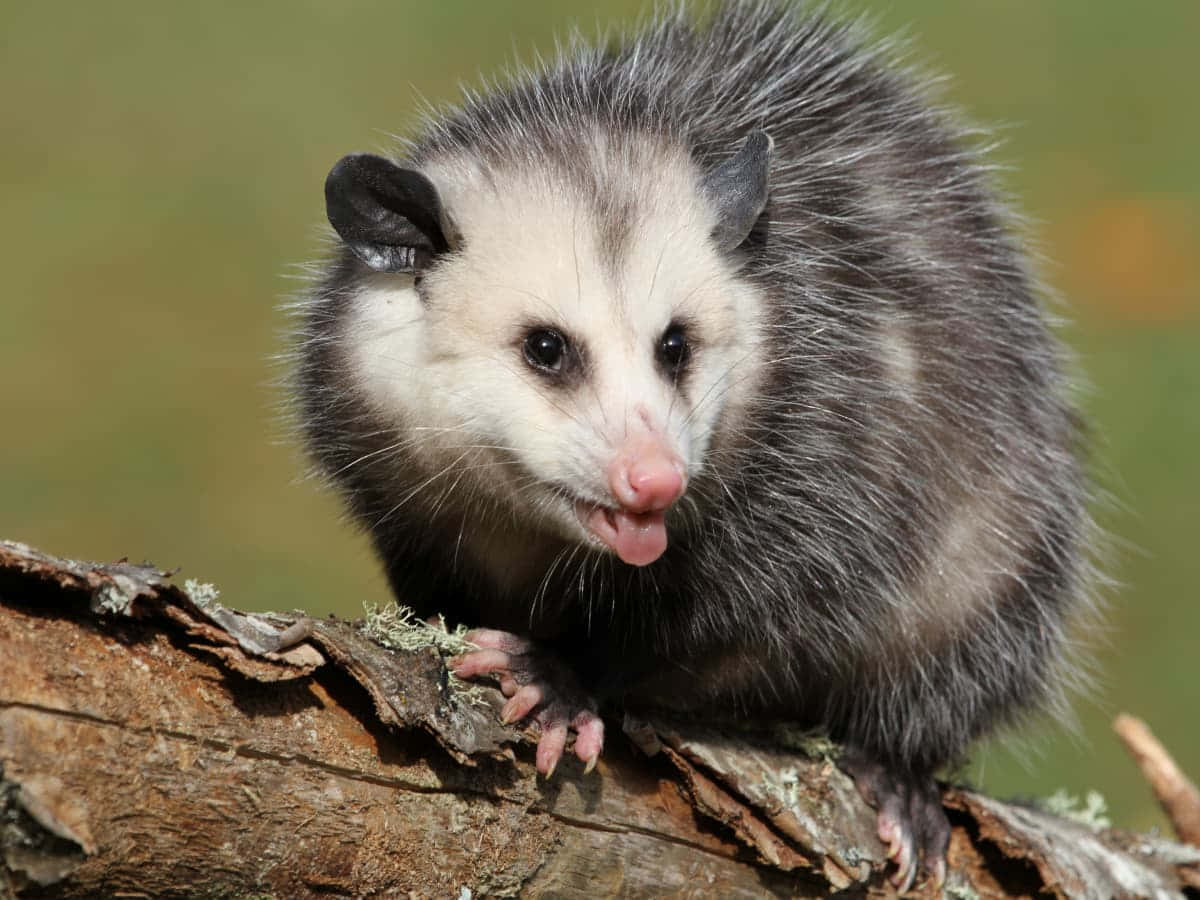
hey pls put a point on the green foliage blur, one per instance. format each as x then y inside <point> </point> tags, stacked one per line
<point>162,167</point>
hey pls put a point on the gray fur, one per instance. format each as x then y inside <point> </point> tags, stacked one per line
<point>888,544</point>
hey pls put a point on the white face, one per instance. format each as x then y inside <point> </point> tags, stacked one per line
<point>647,352</point>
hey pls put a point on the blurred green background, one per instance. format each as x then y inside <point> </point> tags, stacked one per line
<point>162,168</point>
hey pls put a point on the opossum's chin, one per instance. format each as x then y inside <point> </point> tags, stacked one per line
<point>637,538</point>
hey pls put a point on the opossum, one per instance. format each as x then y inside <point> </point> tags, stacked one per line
<point>706,371</point>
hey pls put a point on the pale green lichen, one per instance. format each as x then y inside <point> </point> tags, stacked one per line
<point>201,593</point>
<point>959,890</point>
<point>813,744</point>
<point>784,786</point>
<point>399,628</point>
<point>1091,811</point>
<point>113,598</point>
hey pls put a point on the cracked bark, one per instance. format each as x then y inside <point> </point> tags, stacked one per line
<point>150,746</point>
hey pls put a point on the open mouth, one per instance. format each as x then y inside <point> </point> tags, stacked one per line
<point>637,538</point>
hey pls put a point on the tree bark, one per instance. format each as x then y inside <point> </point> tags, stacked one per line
<point>154,743</point>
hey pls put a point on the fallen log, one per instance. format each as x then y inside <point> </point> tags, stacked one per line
<point>156,743</point>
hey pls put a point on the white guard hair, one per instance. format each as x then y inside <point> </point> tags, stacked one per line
<point>885,529</point>
<point>444,363</point>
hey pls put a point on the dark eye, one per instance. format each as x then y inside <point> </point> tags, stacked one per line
<point>544,349</point>
<point>673,349</point>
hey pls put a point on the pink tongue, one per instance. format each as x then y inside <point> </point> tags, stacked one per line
<point>638,538</point>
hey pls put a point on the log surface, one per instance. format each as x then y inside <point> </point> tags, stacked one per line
<point>153,745</point>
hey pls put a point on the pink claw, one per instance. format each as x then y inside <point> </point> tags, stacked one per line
<point>889,833</point>
<point>900,851</point>
<point>481,662</point>
<point>939,875</point>
<point>589,739</point>
<point>550,749</point>
<point>521,703</point>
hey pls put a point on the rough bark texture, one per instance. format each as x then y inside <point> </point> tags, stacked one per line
<point>154,745</point>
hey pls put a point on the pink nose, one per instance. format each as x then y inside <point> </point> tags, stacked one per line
<point>647,482</point>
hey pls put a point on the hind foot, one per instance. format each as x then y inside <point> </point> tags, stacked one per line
<point>911,819</point>
<point>539,687</point>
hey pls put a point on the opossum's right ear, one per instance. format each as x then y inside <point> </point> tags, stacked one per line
<point>390,217</point>
<point>738,187</point>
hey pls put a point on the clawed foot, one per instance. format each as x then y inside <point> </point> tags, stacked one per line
<point>539,687</point>
<point>911,819</point>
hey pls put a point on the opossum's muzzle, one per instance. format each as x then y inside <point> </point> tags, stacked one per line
<point>645,479</point>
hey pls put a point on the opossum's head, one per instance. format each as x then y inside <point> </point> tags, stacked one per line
<point>564,335</point>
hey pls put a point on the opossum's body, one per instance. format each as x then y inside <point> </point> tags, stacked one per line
<point>875,519</point>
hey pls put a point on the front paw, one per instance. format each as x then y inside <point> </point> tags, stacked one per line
<point>910,817</point>
<point>538,687</point>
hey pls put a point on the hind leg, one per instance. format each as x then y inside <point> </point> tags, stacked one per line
<point>911,820</point>
<point>541,687</point>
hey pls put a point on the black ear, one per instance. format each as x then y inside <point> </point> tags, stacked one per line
<point>390,217</point>
<point>738,188</point>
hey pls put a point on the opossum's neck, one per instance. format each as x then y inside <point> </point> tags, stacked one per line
<point>514,561</point>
